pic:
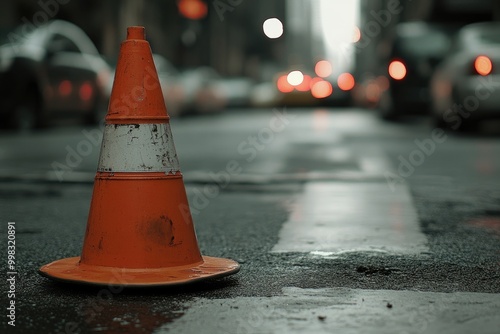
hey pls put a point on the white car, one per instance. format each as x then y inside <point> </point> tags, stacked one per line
<point>465,88</point>
<point>171,86</point>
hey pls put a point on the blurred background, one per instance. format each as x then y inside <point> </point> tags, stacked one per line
<point>396,57</point>
<point>352,144</point>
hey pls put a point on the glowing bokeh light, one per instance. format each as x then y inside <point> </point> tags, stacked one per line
<point>483,65</point>
<point>295,78</point>
<point>314,81</point>
<point>283,85</point>
<point>321,89</point>
<point>273,28</point>
<point>86,91</point>
<point>193,9</point>
<point>356,37</point>
<point>346,81</point>
<point>305,85</point>
<point>397,70</point>
<point>323,68</point>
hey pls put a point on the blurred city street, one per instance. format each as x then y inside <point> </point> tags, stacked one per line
<point>340,221</point>
<point>237,167</point>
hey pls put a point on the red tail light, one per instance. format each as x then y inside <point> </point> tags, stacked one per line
<point>283,85</point>
<point>483,65</point>
<point>65,88</point>
<point>397,70</point>
<point>323,68</point>
<point>321,89</point>
<point>346,81</point>
<point>86,91</point>
<point>305,86</point>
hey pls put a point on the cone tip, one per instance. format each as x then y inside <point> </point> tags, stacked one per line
<point>136,32</point>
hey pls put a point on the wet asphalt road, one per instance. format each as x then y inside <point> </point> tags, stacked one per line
<point>337,219</point>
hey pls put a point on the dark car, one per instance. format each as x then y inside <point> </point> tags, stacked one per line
<point>418,48</point>
<point>53,71</point>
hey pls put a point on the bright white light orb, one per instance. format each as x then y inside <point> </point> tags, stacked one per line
<point>295,78</point>
<point>273,28</point>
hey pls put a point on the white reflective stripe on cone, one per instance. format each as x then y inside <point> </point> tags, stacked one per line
<point>138,148</point>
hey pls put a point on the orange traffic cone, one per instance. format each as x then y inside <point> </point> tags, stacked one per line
<point>138,230</point>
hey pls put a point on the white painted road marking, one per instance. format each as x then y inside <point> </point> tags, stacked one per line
<point>342,310</point>
<point>339,217</point>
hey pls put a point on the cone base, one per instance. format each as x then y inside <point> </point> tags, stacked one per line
<point>70,270</point>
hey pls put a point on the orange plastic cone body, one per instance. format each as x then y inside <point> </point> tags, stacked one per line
<point>139,230</point>
<point>136,96</point>
<point>143,234</point>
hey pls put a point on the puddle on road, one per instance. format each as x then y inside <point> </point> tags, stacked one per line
<point>101,316</point>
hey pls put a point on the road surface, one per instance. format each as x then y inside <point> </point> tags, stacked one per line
<point>341,223</point>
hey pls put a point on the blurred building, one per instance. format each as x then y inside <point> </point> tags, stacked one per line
<point>304,35</point>
<point>226,35</point>
<point>237,41</point>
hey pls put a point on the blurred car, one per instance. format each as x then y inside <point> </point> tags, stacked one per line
<point>465,87</point>
<point>236,91</point>
<point>202,94</point>
<point>171,85</point>
<point>294,88</point>
<point>51,72</point>
<point>417,49</point>
<point>280,92</point>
